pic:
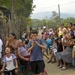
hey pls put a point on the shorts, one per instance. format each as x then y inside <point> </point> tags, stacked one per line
<point>12,72</point>
<point>37,66</point>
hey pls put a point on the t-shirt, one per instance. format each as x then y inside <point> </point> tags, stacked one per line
<point>59,47</point>
<point>49,41</point>
<point>23,51</point>
<point>26,47</point>
<point>36,53</point>
<point>1,43</point>
<point>9,62</point>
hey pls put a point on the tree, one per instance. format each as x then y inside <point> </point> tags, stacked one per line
<point>21,12</point>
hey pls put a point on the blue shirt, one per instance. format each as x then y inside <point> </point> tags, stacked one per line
<point>49,41</point>
<point>36,53</point>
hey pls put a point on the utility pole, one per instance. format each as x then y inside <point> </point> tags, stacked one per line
<point>59,11</point>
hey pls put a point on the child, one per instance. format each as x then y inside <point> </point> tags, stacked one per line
<point>59,49</point>
<point>54,50</point>
<point>48,44</point>
<point>10,64</point>
<point>26,44</point>
<point>43,36</point>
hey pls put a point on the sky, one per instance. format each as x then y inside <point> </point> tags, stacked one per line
<point>66,6</point>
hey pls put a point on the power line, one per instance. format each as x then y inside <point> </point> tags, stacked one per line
<point>56,5</point>
<point>68,3</point>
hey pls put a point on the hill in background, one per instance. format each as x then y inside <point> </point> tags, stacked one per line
<point>47,15</point>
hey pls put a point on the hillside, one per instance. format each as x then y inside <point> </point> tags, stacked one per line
<point>44,15</point>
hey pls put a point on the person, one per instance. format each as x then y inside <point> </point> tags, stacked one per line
<point>22,52</point>
<point>23,36</point>
<point>50,32</point>
<point>48,44</point>
<point>72,31</point>
<point>59,49</point>
<point>12,43</point>
<point>54,50</point>
<point>73,54</point>
<point>1,43</point>
<point>10,64</point>
<point>36,46</point>
<point>43,36</point>
<point>66,55</point>
<point>26,44</point>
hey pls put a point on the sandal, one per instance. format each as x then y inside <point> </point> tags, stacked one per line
<point>63,68</point>
<point>60,66</point>
<point>49,61</point>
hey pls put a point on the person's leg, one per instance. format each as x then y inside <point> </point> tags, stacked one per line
<point>14,72</point>
<point>61,65</point>
<point>51,56</point>
<point>64,66</point>
<point>41,66</point>
<point>6,73</point>
<point>2,73</point>
<point>34,67</point>
<point>47,49</point>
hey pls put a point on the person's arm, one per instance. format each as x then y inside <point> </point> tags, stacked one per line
<point>42,46</point>
<point>3,67</point>
<point>69,43</point>
<point>16,63</point>
<point>15,46</point>
<point>30,49</point>
<point>7,44</point>
<point>21,57</point>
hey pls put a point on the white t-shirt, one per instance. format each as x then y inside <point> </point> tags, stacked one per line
<point>1,43</point>
<point>9,62</point>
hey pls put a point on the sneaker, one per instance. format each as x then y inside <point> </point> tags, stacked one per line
<point>63,68</point>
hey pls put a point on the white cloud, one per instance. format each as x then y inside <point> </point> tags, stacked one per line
<point>67,6</point>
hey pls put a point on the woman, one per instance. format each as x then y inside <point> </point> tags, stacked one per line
<point>66,55</point>
<point>23,54</point>
<point>12,43</point>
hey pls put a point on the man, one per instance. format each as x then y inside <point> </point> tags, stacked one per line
<point>35,47</point>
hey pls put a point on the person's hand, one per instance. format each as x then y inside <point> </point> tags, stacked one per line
<point>16,67</point>
<point>16,71</point>
<point>27,59</point>
<point>1,70</point>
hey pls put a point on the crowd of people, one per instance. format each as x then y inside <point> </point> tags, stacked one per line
<point>26,51</point>
<point>56,43</point>
<point>59,45</point>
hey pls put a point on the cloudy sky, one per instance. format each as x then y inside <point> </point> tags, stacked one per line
<point>66,6</point>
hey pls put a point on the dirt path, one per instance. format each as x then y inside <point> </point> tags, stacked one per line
<point>52,69</point>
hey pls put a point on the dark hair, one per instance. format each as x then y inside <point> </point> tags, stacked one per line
<point>26,36</point>
<point>59,38</point>
<point>13,34</point>
<point>70,23</point>
<point>34,32</point>
<point>26,41</point>
<point>42,33</point>
<point>62,24</point>
<point>0,36</point>
<point>73,24</point>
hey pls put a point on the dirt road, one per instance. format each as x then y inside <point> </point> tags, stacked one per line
<point>52,69</point>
